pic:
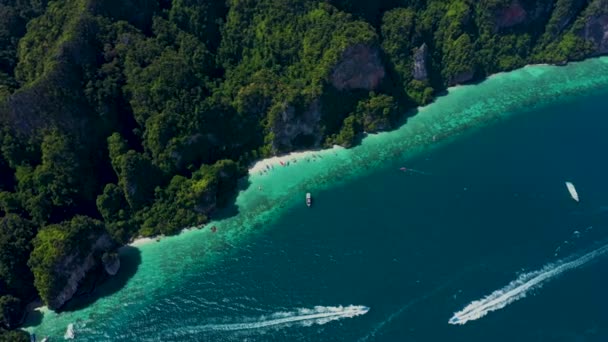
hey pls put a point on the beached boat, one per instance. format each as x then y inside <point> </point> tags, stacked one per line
<point>308,199</point>
<point>572,191</point>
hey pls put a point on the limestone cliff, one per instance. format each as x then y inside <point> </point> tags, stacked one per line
<point>511,15</point>
<point>359,68</point>
<point>567,19</point>
<point>596,26</point>
<point>420,71</point>
<point>462,77</point>
<point>290,125</point>
<point>111,263</point>
<point>74,267</point>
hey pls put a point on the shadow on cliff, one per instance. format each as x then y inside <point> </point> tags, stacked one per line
<point>99,285</point>
<point>228,206</point>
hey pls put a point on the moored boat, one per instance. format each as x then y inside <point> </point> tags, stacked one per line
<point>308,199</point>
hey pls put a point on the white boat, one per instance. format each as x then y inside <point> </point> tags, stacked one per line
<point>572,191</point>
<point>308,199</point>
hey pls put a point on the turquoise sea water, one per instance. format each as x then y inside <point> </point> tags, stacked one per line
<point>490,207</point>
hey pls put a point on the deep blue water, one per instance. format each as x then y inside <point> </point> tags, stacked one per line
<point>494,205</point>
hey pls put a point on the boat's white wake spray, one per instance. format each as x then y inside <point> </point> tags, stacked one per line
<point>318,315</point>
<point>304,317</point>
<point>518,288</point>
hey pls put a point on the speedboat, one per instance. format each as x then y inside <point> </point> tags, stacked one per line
<point>308,199</point>
<point>454,320</point>
<point>572,191</point>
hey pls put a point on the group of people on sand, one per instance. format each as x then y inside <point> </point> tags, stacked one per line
<point>270,167</point>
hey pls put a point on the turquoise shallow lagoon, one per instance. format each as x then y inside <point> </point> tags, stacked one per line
<point>489,205</point>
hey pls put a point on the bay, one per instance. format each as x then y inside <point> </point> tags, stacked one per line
<point>481,201</point>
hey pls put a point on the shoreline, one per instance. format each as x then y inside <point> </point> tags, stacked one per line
<point>464,102</point>
<point>140,241</point>
<point>284,160</point>
<point>262,166</point>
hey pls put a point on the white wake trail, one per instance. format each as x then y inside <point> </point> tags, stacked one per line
<point>306,317</point>
<point>518,288</point>
<point>318,315</point>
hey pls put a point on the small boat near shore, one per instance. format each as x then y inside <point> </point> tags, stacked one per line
<point>572,191</point>
<point>308,199</point>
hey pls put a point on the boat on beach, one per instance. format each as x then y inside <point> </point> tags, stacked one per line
<point>308,199</point>
<point>572,191</point>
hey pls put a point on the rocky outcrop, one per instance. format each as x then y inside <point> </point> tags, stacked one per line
<point>462,77</point>
<point>596,26</point>
<point>421,54</point>
<point>111,263</point>
<point>207,203</point>
<point>74,267</point>
<point>359,68</point>
<point>574,8</point>
<point>289,126</point>
<point>511,15</point>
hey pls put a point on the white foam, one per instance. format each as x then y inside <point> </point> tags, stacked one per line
<point>69,332</point>
<point>305,317</point>
<point>518,288</point>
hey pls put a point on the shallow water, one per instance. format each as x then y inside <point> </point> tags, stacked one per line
<point>415,248</point>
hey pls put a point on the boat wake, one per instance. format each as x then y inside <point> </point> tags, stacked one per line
<point>518,288</point>
<point>397,313</point>
<point>304,317</point>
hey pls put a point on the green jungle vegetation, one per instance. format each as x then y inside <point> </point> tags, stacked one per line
<point>125,118</point>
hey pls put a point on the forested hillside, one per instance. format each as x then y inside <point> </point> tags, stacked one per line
<point>136,118</point>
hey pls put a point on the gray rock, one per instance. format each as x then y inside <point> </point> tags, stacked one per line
<point>567,19</point>
<point>359,68</point>
<point>511,15</point>
<point>289,125</point>
<point>461,78</point>
<point>111,263</point>
<point>74,268</point>
<point>421,54</point>
<point>596,26</point>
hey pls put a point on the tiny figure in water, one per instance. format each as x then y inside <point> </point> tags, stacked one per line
<point>213,229</point>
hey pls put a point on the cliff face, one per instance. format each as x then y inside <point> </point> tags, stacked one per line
<point>596,26</point>
<point>75,266</point>
<point>461,78</point>
<point>289,126</point>
<point>111,263</point>
<point>420,72</point>
<point>566,20</point>
<point>511,15</point>
<point>359,68</point>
